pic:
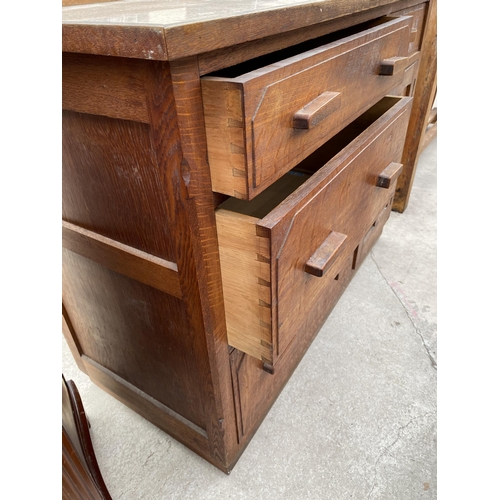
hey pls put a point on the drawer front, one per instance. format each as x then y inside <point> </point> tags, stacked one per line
<point>372,235</point>
<point>323,222</point>
<point>279,269</point>
<point>262,123</point>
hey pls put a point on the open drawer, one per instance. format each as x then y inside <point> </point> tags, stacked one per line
<point>264,116</point>
<point>281,252</point>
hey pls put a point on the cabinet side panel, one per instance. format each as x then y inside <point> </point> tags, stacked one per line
<point>136,332</point>
<point>111,182</point>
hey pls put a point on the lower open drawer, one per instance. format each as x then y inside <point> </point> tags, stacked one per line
<point>281,252</point>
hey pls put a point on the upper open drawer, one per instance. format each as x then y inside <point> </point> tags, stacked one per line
<point>264,116</point>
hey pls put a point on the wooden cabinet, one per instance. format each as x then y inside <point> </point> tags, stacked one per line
<point>225,171</point>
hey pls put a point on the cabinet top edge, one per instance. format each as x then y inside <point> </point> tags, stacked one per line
<point>169,30</point>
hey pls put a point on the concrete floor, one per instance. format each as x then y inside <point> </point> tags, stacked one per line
<point>357,419</point>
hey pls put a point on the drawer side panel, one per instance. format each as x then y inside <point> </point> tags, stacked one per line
<point>246,283</point>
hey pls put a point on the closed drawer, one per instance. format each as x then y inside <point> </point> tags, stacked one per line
<point>279,261</point>
<point>418,14</point>
<point>372,235</point>
<point>262,121</point>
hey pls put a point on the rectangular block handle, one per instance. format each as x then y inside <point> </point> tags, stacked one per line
<point>389,175</point>
<point>326,254</point>
<point>393,65</point>
<point>318,109</point>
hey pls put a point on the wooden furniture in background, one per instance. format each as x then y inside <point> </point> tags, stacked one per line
<point>424,95</point>
<point>226,169</point>
<point>81,477</point>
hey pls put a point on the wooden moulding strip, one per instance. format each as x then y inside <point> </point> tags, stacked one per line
<point>94,86</point>
<point>131,262</point>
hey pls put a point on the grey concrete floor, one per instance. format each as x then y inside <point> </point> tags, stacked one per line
<point>357,420</point>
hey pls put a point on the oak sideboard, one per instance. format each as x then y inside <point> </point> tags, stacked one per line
<point>227,166</point>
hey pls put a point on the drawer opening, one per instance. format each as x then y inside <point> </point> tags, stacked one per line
<point>271,197</point>
<point>289,52</point>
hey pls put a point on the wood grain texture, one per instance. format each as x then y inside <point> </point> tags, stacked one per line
<point>389,175</point>
<point>93,85</point>
<point>117,40</point>
<point>315,111</point>
<point>112,184</point>
<point>246,275</point>
<point>153,271</point>
<point>393,65</point>
<point>423,96</point>
<point>230,56</point>
<point>373,234</point>
<point>224,121</point>
<point>430,134</point>
<point>148,407</point>
<point>418,12</point>
<point>150,30</point>
<point>81,476</point>
<point>189,185</point>
<point>323,258</point>
<point>347,186</point>
<point>269,294</point>
<point>136,331</point>
<point>273,94</point>
<point>257,390</point>
<point>136,182</point>
<point>72,339</point>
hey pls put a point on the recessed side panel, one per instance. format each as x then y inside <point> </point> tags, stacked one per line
<point>136,331</point>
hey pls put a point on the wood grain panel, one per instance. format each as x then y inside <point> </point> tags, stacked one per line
<point>141,42</point>
<point>153,271</point>
<point>203,37</point>
<point>71,339</point>
<point>149,408</point>
<point>274,93</point>
<point>112,184</point>
<point>269,295</point>
<point>373,234</point>
<point>257,390</point>
<point>178,135</point>
<point>81,476</point>
<point>127,30</point>
<point>418,12</point>
<point>246,273</point>
<point>92,85</point>
<point>342,197</point>
<point>230,56</point>
<point>136,331</point>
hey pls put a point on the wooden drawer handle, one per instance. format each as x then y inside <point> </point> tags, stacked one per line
<point>318,109</point>
<point>389,175</point>
<point>393,65</point>
<point>325,255</point>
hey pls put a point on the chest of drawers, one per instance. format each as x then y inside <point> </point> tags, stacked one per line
<point>225,172</point>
